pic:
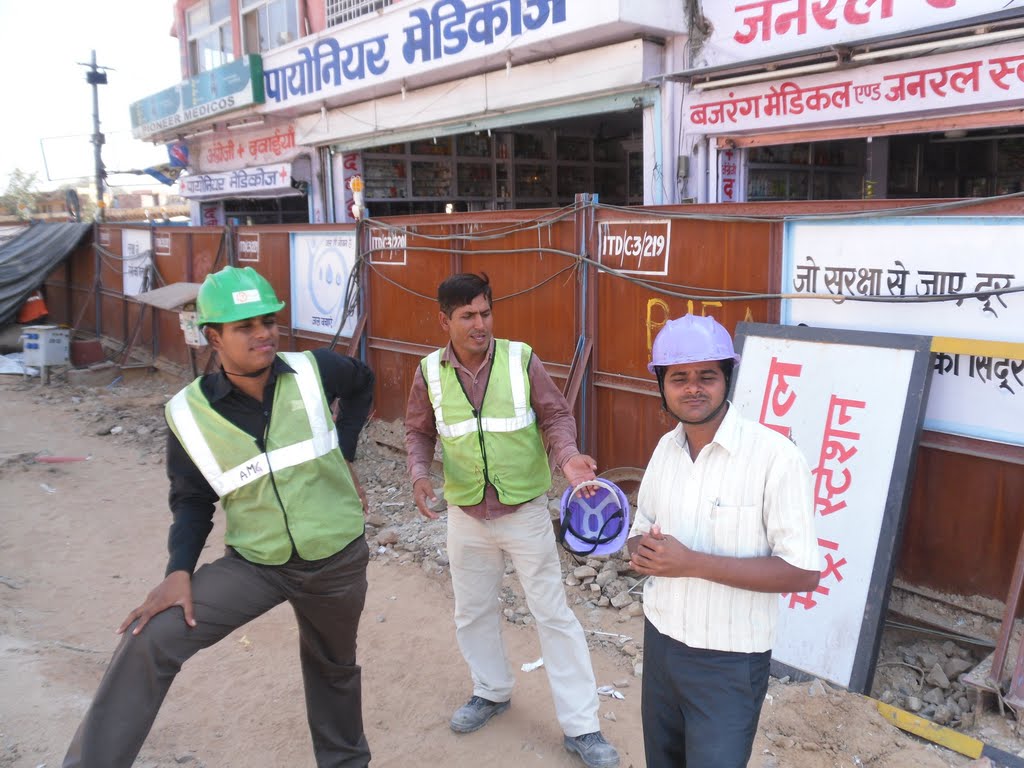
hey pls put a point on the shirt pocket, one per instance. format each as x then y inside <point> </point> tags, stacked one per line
<point>737,530</point>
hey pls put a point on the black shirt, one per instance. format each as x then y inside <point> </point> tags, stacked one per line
<point>192,499</point>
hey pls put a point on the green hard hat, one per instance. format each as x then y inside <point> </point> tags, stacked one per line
<point>235,293</point>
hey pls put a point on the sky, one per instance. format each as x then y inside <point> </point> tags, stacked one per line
<point>44,94</point>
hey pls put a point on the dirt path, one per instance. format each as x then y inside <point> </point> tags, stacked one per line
<point>82,542</point>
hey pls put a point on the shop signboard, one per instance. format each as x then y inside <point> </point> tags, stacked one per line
<point>729,189</point>
<point>321,268</point>
<point>261,146</point>
<point>226,88</point>
<point>211,214</point>
<point>635,246</point>
<point>980,78</point>
<point>758,30</point>
<point>260,181</point>
<point>422,38</point>
<point>908,262</point>
<point>858,434</point>
<point>136,261</point>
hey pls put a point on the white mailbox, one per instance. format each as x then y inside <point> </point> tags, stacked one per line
<point>45,345</point>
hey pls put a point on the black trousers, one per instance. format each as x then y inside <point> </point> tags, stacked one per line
<point>327,597</point>
<point>699,707</point>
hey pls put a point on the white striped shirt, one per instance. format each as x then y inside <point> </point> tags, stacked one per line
<point>748,494</point>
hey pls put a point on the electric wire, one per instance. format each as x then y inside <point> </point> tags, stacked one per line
<point>719,294</point>
<point>690,293</point>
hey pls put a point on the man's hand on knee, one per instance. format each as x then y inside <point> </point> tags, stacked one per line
<point>175,589</point>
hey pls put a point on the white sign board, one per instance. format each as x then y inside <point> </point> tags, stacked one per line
<point>906,260</point>
<point>136,260</point>
<point>417,38</point>
<point>991,77</point>
<point>636,246</point>
<point>222,153</point>
<point>322,263</point>
<point>260,181</point>
<point>858,434</point>
<point>388,246</point>
<point>756,30</point>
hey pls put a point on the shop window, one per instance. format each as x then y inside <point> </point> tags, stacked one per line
<point>340,11</point>
<point>905,163</point>
<point>954,164</point>
<point>208,26</point>
<point>824,170</point>
<point>533,167</point>
<point>1009,165</point>
<point>268,24</point>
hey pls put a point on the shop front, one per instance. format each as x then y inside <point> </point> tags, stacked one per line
<point>251,174</point>
<point>443,106</point>
<point>439,105</point>
<point>534,165</point>
<point>859,102</point>
<point>260,194</point>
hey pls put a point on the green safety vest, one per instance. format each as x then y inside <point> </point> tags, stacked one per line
<point>319,510</point>
<point>500,444</point>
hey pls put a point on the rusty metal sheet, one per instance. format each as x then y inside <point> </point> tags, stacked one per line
<point>964,524</point>
<point>965,517</point>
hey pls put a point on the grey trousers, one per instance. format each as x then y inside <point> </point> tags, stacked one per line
<point>327,597</point>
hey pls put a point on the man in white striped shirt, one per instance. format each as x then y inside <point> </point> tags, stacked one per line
<point>724,523</point>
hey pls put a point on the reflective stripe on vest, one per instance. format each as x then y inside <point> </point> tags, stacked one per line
<point>524,415</point>
<point>223,482</point>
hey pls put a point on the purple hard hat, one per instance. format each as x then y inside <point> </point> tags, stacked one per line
<point>597,525</point>
<point>691,339</point>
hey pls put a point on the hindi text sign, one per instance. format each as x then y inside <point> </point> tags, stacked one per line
<point>859,434</point>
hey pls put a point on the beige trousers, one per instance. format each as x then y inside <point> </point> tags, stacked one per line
<point>475,552</point>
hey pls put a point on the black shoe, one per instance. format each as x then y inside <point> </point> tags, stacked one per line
<point>474,714</point>
<point>593,750</point>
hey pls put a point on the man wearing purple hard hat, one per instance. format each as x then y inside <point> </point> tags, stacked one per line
<point>724,523</point>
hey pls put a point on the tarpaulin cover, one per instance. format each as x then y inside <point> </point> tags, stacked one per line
<point>26,260</point>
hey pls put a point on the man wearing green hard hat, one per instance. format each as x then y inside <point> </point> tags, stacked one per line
<point>259,437</point>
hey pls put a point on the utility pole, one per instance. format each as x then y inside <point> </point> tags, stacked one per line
<point>95,77</point>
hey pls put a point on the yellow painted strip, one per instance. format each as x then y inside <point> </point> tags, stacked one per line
<point>926,729</point>
<point>996,349</point>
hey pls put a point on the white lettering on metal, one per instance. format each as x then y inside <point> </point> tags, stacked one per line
<point>636,247</point>
<point>388,247</point>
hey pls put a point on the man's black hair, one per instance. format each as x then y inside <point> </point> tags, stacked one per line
<point>727,368</point>
<point>460,290</point>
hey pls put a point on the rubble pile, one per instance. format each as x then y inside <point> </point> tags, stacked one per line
<point>923,677</point>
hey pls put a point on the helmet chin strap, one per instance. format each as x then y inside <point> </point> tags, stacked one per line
<point>253,375</point>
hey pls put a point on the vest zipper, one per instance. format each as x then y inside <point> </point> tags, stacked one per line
<point>478,415</point>
<point>261,443</point>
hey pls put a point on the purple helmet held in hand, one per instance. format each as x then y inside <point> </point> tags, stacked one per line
<point>597,525</point>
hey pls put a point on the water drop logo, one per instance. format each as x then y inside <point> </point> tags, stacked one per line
<point>327,277</point>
